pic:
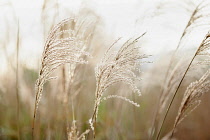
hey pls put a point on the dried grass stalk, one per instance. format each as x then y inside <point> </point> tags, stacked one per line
<point>82,28</point>
<point>171,82</point>
<point>191,97</point>
<point>117,67</point>
<point>57,52</point>
<point>198,14</point>
<point>170,87</point>
<point>198,19</point>
<point>201,48</point>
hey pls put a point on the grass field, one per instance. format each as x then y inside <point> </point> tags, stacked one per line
<point>68,77</point>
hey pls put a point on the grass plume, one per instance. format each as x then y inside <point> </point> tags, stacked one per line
<point>191,98</point>
<point>57,52</point>
<point>17,80</point>
<point>202,48</point>
<point>198,19</point>
<point>117,67</point>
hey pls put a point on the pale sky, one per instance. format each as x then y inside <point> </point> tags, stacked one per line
<point>121,18</point>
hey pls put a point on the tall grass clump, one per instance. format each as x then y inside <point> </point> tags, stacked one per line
<point>196,89</point>
<point>202,50</point>
<point>117,66</point>
<point>198,20</point>
<point>17,80</point>
<point>191,98</point>
<point>82,29</point>
<point>82,101</point>
<point>57,52</point>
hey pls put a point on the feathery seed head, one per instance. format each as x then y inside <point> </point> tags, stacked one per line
<point>117,66</point>
<point>191,97</point>
<point>62,47</point>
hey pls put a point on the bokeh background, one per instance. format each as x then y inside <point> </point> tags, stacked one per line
<point>24,26</point>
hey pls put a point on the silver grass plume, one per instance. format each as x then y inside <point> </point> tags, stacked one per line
<point>117,67</point>
<point>83,28</point>
<point>199,17</point>
<point>201,49</point>
<point>191,97</point>
<point>57,52</point>
<point>199,14</point>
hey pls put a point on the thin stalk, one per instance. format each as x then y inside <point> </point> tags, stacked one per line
<point>68,94</point>
<point>72,106</point>
<point>174,97</point>
<point>172,132</point>
<point>17,83</point>
<point>94,114</point>
<point>65,97</point>
<point>96,106</point>
<point>35,111</point>
<point>171,59</point>
<point>134,117</point>
<point>34,117</point>
<point>167,73</point>
<point>179,87</point>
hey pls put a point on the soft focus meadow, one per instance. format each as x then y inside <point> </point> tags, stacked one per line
<point>104,70</point>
